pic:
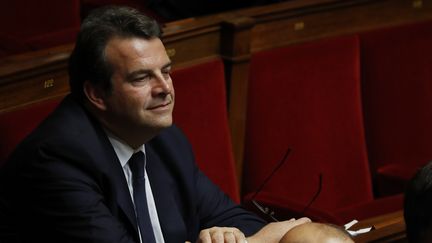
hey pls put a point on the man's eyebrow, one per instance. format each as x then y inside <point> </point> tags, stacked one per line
<point>136,73</point>
<point>169,64</point>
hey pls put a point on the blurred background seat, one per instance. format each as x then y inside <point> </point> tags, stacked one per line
<point>307,97</point>
<point>201,112</point>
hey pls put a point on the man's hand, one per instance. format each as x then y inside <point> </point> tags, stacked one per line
<point>273,232</point>
<point>221,235</point>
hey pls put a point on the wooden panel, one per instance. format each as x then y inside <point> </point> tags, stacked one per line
<point>386,228</point>
<point>235,48</point>
<point>319,22</point>
<point>33,77</point>
<point>34,89</point>
<point>189,49</point>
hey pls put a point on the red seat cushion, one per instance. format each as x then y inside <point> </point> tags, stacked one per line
<point>88,5</point>
<point>39,24</point>
<point>60,37</point>
<point>286,208</point>
<point>28,18</point>
<point>17,124</point>
<point>307,97</point>
<point>10,45</point>
<point>397,95</point>
<point>201,111</point>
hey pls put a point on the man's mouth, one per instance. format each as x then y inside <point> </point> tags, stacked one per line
<point>160,105</point>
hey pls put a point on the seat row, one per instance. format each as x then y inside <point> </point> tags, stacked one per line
<point>352,109</point>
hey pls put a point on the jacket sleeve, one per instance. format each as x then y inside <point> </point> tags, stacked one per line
<point>202,203</point>
<point>63,202</point>
<point>215,208</point>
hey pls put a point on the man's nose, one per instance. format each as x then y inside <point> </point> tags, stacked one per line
<point>163,84</point>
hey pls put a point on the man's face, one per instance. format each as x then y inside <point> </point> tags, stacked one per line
<point>142,97</point>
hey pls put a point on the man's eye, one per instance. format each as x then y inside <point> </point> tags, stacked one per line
<point>142,78</point>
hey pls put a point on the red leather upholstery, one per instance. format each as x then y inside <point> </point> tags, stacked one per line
<point>17,124</point>
<point>38,24</point>
<point>88,5</point>
<point>201,112</point>
<point>397,95</point>
<point>307,97</point>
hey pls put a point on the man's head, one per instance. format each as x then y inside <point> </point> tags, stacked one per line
<point>120,70</point>
<point>316,233</point>
<point>88,61</point>
<point>418,206</point>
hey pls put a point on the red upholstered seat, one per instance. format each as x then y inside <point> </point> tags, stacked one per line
<point>88,5</point>
<point>201,112</point>
<point>17,124</point>
<point>397,95</point>
<point>10,45</point>
<point>38,24</point>
<point>307,98</point>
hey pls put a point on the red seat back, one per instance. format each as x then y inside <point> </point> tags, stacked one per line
<point>397,95</point>
<point>201,111</point>
<point>17,124</point>
<point>37,24</point>
<point>307,97</point>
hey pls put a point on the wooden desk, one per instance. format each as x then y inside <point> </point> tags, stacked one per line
<point>387,228</point>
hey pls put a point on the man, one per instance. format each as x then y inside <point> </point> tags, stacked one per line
<point>108,165</point>
<point>417,206</point>
<point>316,233</point>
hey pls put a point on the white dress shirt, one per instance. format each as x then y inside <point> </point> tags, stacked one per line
<point>124,153</point>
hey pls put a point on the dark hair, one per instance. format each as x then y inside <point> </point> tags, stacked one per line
<point>87,61</point>
<point>418,205</point>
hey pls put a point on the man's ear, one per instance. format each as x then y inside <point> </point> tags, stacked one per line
<point>95,95</point>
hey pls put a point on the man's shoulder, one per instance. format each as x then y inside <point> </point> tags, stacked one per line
<point>171,137</point>
<point>69,121</point>
<point>172,142</point>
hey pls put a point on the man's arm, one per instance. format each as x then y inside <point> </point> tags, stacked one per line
<point>215,208</point>
<point>62,202</point>
<point>271,233</point>
<point>224,221</point>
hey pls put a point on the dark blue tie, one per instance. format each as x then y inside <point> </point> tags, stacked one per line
<point>137,164</point>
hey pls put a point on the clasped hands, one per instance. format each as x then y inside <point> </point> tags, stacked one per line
<point>271,233</point>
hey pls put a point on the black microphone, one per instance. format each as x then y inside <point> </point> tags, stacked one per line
<point>315,196</point>
<point>266,210</point>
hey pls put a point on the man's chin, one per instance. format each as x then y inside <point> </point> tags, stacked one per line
<point>163,124</point>
<point>155,125</point>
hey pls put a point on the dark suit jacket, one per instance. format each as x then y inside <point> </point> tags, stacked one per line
<point>64,183</point>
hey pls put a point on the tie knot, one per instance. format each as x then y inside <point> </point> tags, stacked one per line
<point>137,164</point>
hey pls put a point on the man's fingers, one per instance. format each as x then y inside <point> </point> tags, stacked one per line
<point>221,235</point>
<point>239,236</point>
<point>295,222</point>
<point>302,221</point>
<point>229,237</point>
<point>217,235</point>
<point>204,236</point>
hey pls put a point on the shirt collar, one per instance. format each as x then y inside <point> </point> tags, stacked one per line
<point>123,151</point>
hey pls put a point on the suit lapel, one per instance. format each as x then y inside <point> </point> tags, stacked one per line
<point>123,196</point>
<point>96,144</point>
<point>164,190</point>
<point>119,184</point>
